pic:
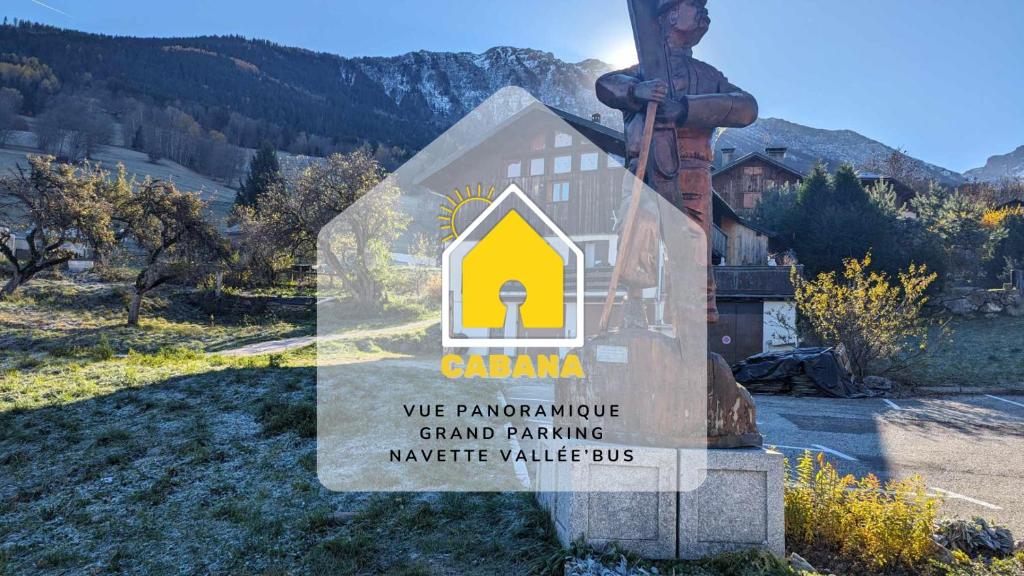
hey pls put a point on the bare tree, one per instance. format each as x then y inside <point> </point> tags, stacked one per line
<point>898,165</point>
<point>10,105</point>
<point>72,128</point>
<point>53,205</point>
<point>172,231</point>
<point>355,248</point>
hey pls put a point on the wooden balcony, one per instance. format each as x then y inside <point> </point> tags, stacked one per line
<point>755,282</point>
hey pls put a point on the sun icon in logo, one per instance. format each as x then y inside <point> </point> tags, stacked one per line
<point>461,203</point>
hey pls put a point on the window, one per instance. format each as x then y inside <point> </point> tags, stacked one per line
<point>563,164</point>
<point>560,192</point>
<point>615,161</point>
<point>562,140</point>
<point>595,253</point>
<point>588,161</point>
<point>536,167</point>
<point>539,142</point>
<point>515,170</point>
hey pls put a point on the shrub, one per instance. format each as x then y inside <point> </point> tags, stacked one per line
<point>166,356</point>
<point>964,566</point>
<point>102,350</point>
<point>281,417</point>
<point>958,221</point>
<point>1007,243</point>
<point>864,311</point>
<point>869,527</point>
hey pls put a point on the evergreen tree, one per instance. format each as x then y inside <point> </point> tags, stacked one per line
<point>139,139</point>
<point>848,190</point>
<point>839,221</point>
<point>264,175</point>
<point>1008,253</point>
<point>816,190</point>
<point>954,219</point>
<point>776,211</point>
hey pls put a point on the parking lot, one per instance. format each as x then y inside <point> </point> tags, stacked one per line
<point>969,449</point>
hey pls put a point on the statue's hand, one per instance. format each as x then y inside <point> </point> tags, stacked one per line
<point>651,91</point>
<point>673,111</point>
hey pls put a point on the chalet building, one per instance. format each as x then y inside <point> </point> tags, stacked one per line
<point>743,181</point>
<point>83,255</point>
<point>735,240</point>
<point>16,244</point>
<point>552,166</point>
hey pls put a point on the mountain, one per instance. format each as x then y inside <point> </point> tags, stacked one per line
<point>442,87</point>
<point>1002,167</point>
<point>402,101</point>
<point>806,146</point>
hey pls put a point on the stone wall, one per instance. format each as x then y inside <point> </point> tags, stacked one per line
<point>969,301</point>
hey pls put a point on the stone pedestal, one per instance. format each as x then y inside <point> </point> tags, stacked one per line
<point>639,513</point>
<point>738,506</point>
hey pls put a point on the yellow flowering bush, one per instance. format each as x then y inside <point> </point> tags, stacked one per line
<point>865,311</point>
<point>866,526</point>
<point>995,217</point>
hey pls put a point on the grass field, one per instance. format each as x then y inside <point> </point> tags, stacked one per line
<point>177,462</point>
<point>164,459</point>
<point>220,196</point>
<point>59,320</point>
<point>978,352</point>
<point>146,451</point>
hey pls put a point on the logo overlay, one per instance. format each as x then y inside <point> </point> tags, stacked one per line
<point>511,250</point>
<point>461,341</point>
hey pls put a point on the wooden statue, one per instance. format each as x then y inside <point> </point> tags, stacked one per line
<point>689,99</point>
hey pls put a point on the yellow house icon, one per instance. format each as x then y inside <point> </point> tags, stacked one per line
<point>531,250</point>
<point>513,251</point>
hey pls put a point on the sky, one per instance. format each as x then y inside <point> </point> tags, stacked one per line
<point>942,79</point>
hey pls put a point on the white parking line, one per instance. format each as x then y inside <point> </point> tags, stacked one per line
<point>816,448</point>
<point>955,496</point>
<point>836,453</point>
<point>892,404</point>
<point>1005,400</point>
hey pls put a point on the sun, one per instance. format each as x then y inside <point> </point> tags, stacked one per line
<point>621,54</point>
<point>457,203</point>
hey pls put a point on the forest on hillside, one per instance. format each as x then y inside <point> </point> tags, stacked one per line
<point>196,101</point>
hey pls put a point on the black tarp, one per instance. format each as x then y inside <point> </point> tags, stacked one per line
<point>804,372</point>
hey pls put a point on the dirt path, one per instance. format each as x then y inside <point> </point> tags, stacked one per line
<point>287,344</point>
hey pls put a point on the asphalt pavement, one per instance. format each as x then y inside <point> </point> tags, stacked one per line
<point>969,449</point>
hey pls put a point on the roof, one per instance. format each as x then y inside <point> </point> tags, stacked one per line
<point>902,189</point>
<point>589,127</point>
<point>763,157</point>
<point>606,138</point>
